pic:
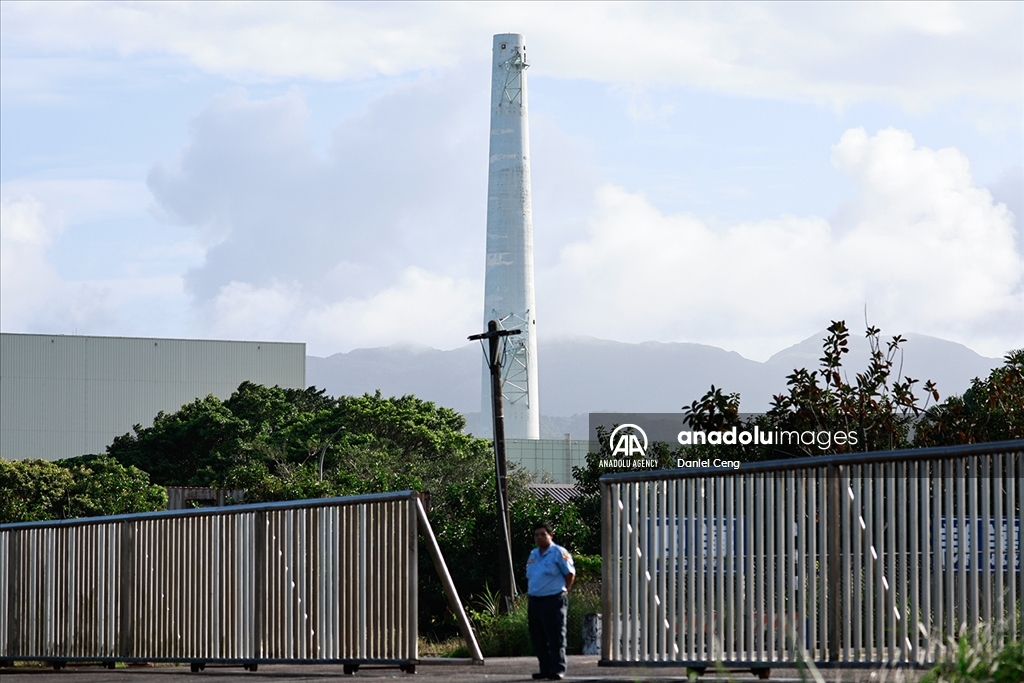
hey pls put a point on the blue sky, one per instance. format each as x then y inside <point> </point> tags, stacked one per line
<point>732,174</point>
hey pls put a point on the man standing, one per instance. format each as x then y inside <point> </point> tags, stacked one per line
<point>549,576</point>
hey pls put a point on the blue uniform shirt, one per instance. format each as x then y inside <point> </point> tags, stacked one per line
<point>545,572</point>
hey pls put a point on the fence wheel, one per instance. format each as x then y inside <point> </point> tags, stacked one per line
<point>350,669</point>
<point>252,666</point>
<point>763,673</point>
<point>408,668</point>
<point>57,666</point>
<point>109,665</point>
<point>197,667</point>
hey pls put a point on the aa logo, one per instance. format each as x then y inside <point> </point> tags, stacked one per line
<point>624,441</point>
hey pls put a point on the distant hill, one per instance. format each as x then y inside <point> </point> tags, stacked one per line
<point>579,375</point>
<point>950,365</point>
<point>448,378</point>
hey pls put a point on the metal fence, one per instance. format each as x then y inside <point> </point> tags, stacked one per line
<point>329,580</point>
<point>856,560</point>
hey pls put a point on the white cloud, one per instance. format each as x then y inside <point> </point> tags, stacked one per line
<point>86,199</point>
<point>34,295</point>
<point>379,241</point>
<point>1008,189</point>
<point>398,188</point>
<point>420,307</point>
<point>31,291</point>
<point>394,212</point>
<point>835,54</point>
<point>924,238</point>
<point>920,245</point>
<point>372,244</point>
<point>23,224</point>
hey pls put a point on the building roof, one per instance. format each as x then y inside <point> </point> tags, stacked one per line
<point>560,493</point>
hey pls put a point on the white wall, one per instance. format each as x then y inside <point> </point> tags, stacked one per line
<point>64,396</point>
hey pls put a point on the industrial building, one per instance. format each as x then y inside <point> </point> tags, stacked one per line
<point>550,460</point>
<point>64,396</point>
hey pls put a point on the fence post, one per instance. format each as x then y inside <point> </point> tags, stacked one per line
<point>835,591</point>
<point>606,572</point>
<point>15,586</point>
<point>126,590</point>
<point>412,577</point>
<point>259,589</point>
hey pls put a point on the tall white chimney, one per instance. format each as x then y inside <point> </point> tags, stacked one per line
<point>508,289</point>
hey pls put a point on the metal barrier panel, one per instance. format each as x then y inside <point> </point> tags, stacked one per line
<point>330,580</point>
<point>862,559</point>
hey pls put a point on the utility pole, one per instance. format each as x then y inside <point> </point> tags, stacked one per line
<point>507,572</point>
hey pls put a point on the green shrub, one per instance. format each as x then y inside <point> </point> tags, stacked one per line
<point>979,659</point>
<point>88,486</point>
<point>588,568</point>
<point>508,635</point>
<point>501,634</point>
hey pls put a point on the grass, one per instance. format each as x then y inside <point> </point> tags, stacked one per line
<point>501,634</point>
<point>508,634</point>
<point>979,658</point>
<point>452,647</point>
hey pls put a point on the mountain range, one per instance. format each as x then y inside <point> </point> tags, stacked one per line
<point>579,375</point>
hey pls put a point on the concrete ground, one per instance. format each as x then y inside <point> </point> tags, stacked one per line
<point>495,670</point>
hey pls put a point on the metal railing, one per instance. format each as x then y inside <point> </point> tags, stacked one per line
<point>328,580</point>
<point>855,560</point>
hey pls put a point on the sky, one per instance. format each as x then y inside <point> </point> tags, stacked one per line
<point>731,174</point>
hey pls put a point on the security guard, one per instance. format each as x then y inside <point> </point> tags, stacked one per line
<point>549,576</point>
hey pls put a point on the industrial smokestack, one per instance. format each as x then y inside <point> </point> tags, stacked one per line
<point>508,289</point>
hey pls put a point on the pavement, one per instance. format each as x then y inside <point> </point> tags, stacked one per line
<point>495,670</point>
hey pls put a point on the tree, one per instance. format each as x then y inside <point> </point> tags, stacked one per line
<point>34,490</point>
<point>92,485</point>
<point>879,406</point>
<point>102,486</point>
<point>992,409</point>
<point>190,447</point>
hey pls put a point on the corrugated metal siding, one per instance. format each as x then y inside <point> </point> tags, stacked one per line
<point>179,497</point>
<point>560,493</point>
<point>65,396</point>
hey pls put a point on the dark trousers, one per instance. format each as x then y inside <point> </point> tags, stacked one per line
<point>547,632</point>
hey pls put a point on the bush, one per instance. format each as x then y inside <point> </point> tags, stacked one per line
<point>588,570</point>
<point>102,486</point>
<point>979,659</point>
<point>33,490</point>
<point>89,486</point>
<point>501,634</point>
<point>508,635</point>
